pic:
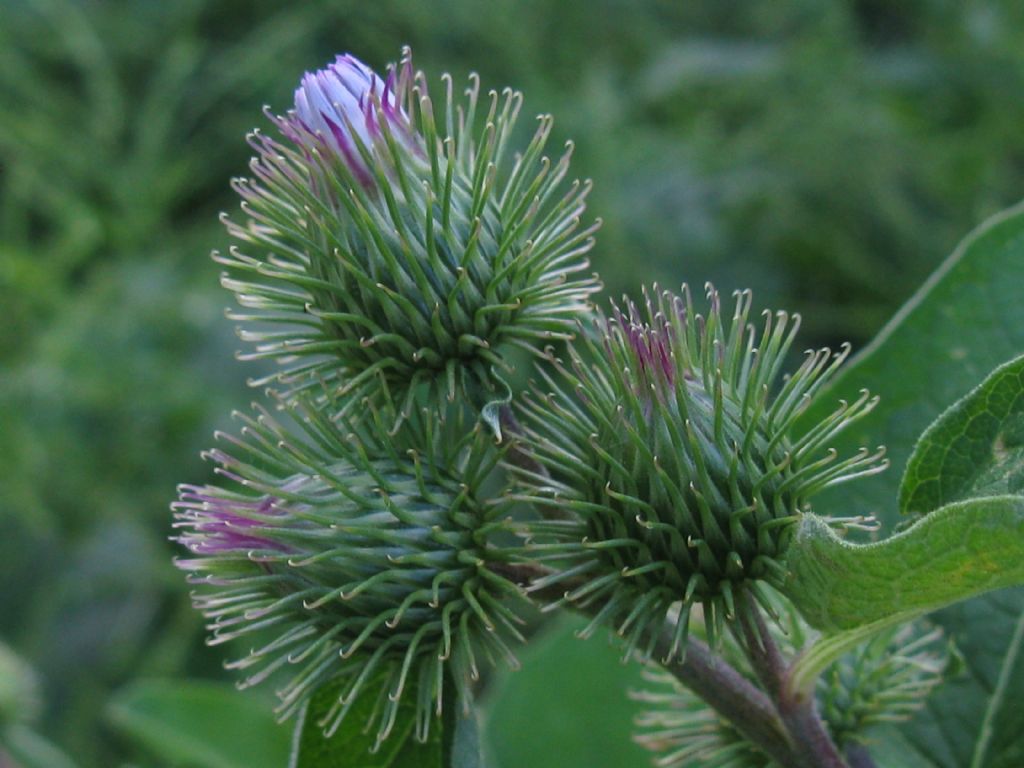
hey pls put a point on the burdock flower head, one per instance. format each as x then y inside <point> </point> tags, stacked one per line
<point>672,444</point>
<point>383,238</point>
<point>353,557</point>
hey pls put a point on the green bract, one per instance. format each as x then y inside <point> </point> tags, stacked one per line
<point>383,238</point>
<point>352,554</point>
<point>668,446</point>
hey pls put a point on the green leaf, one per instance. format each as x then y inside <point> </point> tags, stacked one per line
<point>890,749</point>
<point>568,706</point>
<point>202,724</point>
<point>854,590</point>
<point>19,688</point>
<point>352,744</point>
<point>959,551</point>
<point>30,750</point>
<point>967,319</point>
<point>976,448</point>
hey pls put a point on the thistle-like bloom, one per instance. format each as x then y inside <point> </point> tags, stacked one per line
<point>671,445</point>
<point>382,238</point>
<point>364,554</point>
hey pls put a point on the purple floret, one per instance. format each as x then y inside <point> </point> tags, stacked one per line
<point>338,107</point>
<point>651,347</point>
<point>216,525</point>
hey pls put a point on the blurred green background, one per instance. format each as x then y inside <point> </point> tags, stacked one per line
<point>826,154</point>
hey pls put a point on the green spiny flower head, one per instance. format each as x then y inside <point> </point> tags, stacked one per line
<point>670,442</point>
<point>886,680</point>
<point>384,235</point>
<point>350,554</point>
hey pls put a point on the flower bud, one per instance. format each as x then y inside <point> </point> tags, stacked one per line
<point>337,109</point>
<point>362,554</point>
<point>672,445</point>
<point>383,240</point>
<point>886,680</point>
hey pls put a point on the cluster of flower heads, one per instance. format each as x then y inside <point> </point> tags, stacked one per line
<point>382,238</point>
<point>367,553</point>
<point>391,255</point>
<point>669,441</point>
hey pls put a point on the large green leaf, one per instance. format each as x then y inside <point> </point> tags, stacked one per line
<point>200,724</point>
<point>965,321</point>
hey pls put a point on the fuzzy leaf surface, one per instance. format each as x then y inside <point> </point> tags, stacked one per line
<point>959,551</point>
<point>966,320</point>
<point>976,448</point>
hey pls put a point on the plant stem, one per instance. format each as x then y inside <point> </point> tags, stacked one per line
<point>747,709</point>
<point>798,710</point>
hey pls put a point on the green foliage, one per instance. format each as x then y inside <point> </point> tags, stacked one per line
<point>20,702</point>
<point>30,750</point>
<point>567,705</point>
<point>199,724</point>
<point>19,689</point>
<point>964,323</point>
<point>714,135</point>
